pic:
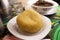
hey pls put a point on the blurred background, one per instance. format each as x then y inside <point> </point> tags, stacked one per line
<point>5,16</point>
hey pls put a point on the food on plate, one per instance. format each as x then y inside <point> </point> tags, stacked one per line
<point>30,21</point>
<point>43,3</point>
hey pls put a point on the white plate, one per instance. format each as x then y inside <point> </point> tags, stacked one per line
<point>13,28</point>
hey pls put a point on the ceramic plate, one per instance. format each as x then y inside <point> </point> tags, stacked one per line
<point>14,29</point>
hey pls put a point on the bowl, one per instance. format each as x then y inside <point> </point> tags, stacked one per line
<point>42,8</point>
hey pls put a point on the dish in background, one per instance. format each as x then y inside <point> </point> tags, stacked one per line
<point>43,4</point>
<point>46,10</point>
<point>13,28</point>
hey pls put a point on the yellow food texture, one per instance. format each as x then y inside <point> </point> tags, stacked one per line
<point>30,21</point>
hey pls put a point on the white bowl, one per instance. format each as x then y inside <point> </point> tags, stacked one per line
<point>44,9</point>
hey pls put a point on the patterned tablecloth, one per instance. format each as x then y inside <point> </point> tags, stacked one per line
<point>55,18</point>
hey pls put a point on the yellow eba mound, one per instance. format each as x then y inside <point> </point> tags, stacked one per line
<point>30,21</point>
